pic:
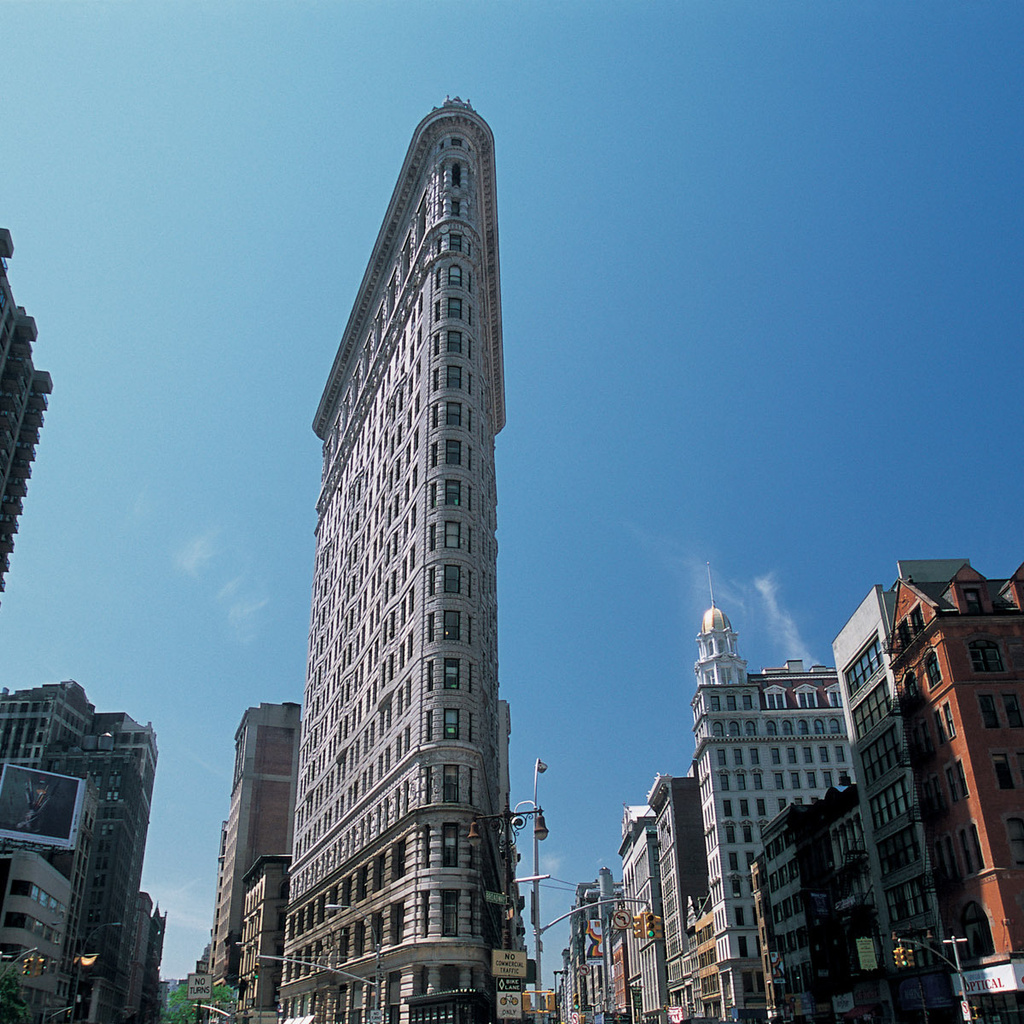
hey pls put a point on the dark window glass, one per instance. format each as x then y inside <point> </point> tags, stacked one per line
<point>453,452</point>
<point>451,723</point>
<point>452,579</point>
<point>451,673</point>
<point>453,493</point>
<point>455,376</point>
<point>985,656</point>
<point>452,625</point>
<point>453,414</point>
<point>987,705</point>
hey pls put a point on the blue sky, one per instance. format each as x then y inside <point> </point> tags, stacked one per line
<point>761,268</point>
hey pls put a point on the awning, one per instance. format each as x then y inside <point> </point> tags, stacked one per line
<point>863,1010</point>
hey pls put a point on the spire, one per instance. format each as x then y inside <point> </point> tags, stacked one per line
<point>711,588</point>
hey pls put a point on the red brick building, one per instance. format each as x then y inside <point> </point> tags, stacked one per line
<point>957,653</point>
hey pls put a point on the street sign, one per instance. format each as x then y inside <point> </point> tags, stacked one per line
<point>965,1009</point>
<point>495,897</point>
<point>200,986</point>
<point>508,963</point>
<point>509,998</point>
<point>622,919</point>
<point>376,1016</point>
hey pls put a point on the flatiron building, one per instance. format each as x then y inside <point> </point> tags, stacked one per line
<point>404,740</point>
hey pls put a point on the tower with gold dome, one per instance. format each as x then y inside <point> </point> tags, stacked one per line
<point>762,741</point>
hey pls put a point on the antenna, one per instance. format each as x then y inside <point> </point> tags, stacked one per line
<point>710,586</point>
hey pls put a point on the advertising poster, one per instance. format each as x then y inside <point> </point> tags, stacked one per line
<point>595,937</point>
<point>40,807</point>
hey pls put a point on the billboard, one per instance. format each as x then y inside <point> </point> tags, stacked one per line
<point>40,807</point>
<point>594,941</point>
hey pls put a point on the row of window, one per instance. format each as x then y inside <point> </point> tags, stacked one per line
<point>803,728</point>
<point>453,377</point>
<point>775,753</point>
<point>453,308</point>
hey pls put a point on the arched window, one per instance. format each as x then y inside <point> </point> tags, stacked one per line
<point>819,727</point>
<point>932,670</point>
<point>976,928</point>
<point>717,730</point>
<point>833,726</point>
<point>802,727</point>
<point>751,728</point>
<point>787,728</point>
<point>734,728</point>
<point>772,728</point>
<point>985,656</point>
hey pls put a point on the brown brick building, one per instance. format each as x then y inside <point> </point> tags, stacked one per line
<point>957,653</point>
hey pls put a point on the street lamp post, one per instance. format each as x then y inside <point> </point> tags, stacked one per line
<point>378,977</point>
<point>506,826</point>
<point>85,959</point>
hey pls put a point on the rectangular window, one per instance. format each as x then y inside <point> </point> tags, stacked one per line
<point>962,776</point>
<point>869,661</point>
<point>452,579</point>
<point>455,241</point>
<point>449,846</point>
<point>454,308</point>
<point>1011,705</point>
<point>455,342</point>
<point>451,723</point>
<point>947,713</point>
<point>1003,774</point>
<point>450,779</point>
<point>454,376</point>
<point>987,706</point>
<point>453,452</point>
<point>453,414</point>
<point>761,808</point>
<point>430,626</point>
<point>871,710</point>
<point>451,673</point>
<point>450,912</point>
<point>453,492</point>
<point>453,625</point>
<point>776,755</point>
<point>452,534</point>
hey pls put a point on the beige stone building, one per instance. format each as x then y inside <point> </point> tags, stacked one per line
<point>404,739</point>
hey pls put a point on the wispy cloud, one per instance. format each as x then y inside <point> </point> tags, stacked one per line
<point>205,558</point>
<point>780,622</point>
<point>244,603</point>
<point>194,556</point>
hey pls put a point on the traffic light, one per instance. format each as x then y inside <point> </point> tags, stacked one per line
<point>909,956</point>
<point>26,966</point>
<point>659,927</point>
<point>638,926</point>
<point>649,929</point>
<point>899,956</point>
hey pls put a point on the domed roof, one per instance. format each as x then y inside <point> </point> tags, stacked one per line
<point>714,620</point>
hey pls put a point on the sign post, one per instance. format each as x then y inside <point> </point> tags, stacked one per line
<point>200,986</point>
